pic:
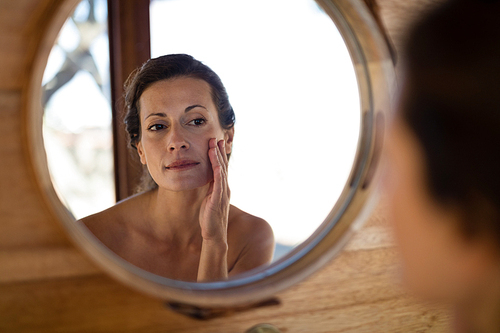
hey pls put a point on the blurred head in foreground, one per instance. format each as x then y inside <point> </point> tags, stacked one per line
<point>443,161</point>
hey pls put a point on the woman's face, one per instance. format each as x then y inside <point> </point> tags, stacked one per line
<point>438,263</point>
<point>178,118</point>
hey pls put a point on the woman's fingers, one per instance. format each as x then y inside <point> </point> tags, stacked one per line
<point>216,166</point>
<point>222,148</point>
<point>213,154</point>
<point>226,170</point>
<point>219,172</point>
<point>217,155</point>
<point>221,145</point>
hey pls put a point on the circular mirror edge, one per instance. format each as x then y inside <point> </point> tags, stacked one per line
<point>33,113</point>
<point>311,255</point>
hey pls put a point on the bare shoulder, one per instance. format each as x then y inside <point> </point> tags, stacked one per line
<point>248,225</point>
<point>250,240</point>
<point>112,223</point>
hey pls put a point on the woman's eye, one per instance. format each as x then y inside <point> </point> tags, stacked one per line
<point>197,122</point>
<point>156,127</point>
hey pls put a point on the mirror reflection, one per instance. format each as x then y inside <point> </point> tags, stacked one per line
<point>181,224</point>
<point>291,83</point>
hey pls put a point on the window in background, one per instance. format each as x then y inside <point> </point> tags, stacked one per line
<point>292,84</point>
<point>77,113</point>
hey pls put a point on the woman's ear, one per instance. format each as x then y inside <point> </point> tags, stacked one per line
<point>140,151</point>
<point>228,137</point>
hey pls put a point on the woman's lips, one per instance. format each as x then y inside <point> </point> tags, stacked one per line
<point>182,165</point>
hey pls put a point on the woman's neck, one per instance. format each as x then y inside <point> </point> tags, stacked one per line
<point>174,216</point>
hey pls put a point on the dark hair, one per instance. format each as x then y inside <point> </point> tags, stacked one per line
<point>451,101</point>
<point>163,68</point>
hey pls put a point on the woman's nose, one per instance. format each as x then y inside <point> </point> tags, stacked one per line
<point>177,139</point>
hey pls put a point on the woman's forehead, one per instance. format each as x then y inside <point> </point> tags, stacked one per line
<point>184,86</point>
<point>176,93</point>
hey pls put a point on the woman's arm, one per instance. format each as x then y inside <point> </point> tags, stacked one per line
<point>214,215</point>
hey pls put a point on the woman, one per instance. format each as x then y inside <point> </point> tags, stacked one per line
<point>182,225</point>
<point>443,181</point>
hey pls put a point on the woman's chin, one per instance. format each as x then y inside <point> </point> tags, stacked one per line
<point>182,186</point>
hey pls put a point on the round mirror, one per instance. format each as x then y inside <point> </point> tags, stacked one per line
<point>309,82</point>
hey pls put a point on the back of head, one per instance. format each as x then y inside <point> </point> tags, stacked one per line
<point>451,101</point>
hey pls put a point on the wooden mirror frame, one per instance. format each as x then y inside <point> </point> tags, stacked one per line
<point>374,69</point>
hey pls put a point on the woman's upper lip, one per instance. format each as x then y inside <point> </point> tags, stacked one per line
<point>181,163</point>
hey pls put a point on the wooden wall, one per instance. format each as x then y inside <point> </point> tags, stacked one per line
<point>46,285</point>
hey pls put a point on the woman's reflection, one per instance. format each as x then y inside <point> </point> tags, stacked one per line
<point>181,224</point>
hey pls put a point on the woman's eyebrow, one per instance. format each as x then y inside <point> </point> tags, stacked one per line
<point>159,114</point>
<point>189,108</point>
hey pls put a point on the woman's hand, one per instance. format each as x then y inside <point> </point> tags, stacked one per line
<point>215,207</point>
<point>214,214</point>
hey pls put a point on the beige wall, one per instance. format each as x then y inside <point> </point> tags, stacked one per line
<point>46,285</point>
